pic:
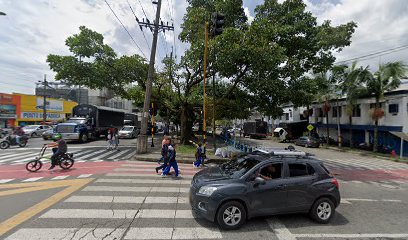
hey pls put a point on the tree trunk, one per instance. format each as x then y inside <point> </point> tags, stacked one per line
<point>339,138</point>
<point>187,114</point>
<point>375,143</point>
<point>351,131</point>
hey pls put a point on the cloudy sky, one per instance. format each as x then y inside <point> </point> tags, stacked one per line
<point>32,29</point>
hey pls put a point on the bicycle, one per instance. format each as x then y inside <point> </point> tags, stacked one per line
<point>65,161</point>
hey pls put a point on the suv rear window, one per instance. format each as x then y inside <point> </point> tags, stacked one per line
<point>325,169</point>
<point>300,169</point>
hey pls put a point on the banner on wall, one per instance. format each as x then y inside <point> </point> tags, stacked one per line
<point>36,115</point>
<point>54,105</point>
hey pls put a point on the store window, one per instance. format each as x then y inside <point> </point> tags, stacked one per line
<point>357,111</point>
<point>393,108</point>
<point>336,110</point>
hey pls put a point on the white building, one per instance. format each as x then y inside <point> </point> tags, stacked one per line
<point>395,121</point>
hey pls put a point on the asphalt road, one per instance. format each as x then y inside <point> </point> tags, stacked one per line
<point>129,201</point>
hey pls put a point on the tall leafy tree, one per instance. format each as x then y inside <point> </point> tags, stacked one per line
<point>387,78</point>
<point>95,65</point>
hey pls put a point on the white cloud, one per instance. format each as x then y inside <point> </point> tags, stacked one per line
<point>248,14</point>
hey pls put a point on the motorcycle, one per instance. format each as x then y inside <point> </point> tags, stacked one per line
<point>65,161</point>
<point>12,141</point>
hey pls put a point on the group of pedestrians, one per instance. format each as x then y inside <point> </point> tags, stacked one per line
<point>168,154</point>
<point>113,139</point>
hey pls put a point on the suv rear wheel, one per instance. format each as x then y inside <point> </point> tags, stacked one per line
<point>322,210</point>
<point>231,215</point>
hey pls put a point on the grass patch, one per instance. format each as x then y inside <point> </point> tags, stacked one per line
<point>186,149</point>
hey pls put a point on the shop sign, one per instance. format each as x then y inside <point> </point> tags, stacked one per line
<point>8,116</point>
<point>54,105</point>
<point>7,109</point>
<point>6,98</point>
<point>35,115</point>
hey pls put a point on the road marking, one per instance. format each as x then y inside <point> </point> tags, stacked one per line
<point>90,213</point>
<point>390,200</point>
<point>72,186</point>
<point>280,230</point>
<point>68,233</point>
<point>115,189</point>
<point>360,199</point>
<point>6,180</point>
<point>92,153</point>
<point>120,154</point>
<point>139,175</point>
<point>105,199</point>
<point>343,201</point>
<point>101,156</point>
<point>60,177</point>
<point>176,233</point>
<point>33,179</point>
<point>84,175</point>
<point>134,180</point>
<point>352,236</point>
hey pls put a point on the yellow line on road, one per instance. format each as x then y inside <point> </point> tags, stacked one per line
<point>72,186</point>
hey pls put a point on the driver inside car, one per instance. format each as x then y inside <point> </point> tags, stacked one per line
<point>268,172</point>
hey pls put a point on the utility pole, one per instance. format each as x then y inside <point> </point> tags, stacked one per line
<point>45,100</point>
<point>142,139</point>
<point>205,76</point>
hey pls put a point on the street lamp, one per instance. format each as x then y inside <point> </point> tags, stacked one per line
<point>2,14</point>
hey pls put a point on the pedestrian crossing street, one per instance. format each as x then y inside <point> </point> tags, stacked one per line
<point>363,163</point>
<point>128,205</point>
<point>80,155</point>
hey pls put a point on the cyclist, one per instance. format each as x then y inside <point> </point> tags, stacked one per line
<point>59,147</point>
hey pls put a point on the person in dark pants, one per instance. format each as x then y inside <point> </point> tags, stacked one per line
<point>200,155</point>
<point>164,153</point>
<point>59,147</point>
<point>172,161</point>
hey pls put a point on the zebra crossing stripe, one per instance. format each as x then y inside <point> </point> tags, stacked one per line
<point>129,155</point>
<point>125,199</point>
<point>124,174</point>
<point>101,156</point>
<point>68,233</point>
<point>176,233</point>
<point>92,153</point>
<point>134,180</point>
<point>134,189</point>
<point>84,175</point>
<point>33,179</point>
<point>13,156</point>
<point>60,177</point>
<point>90,213</point>
<point>6,180</point>
<point>119,154</point>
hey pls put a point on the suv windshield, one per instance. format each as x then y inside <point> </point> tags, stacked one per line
<point>77,120</point>
<point>237,168</point>
<point>30,127</point>
<point>127,129</point>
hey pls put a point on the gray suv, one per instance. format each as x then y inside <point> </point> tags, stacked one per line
<point>262,184</point>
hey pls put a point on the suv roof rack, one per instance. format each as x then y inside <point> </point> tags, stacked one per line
<point>289,151</point>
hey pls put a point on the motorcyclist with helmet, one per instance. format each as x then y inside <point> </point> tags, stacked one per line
<point>59,147</point>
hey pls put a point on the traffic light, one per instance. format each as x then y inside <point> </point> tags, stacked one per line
<point>218,23</point>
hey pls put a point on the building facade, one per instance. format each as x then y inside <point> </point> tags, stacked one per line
<point>23,109</point>
<point>394,122</point>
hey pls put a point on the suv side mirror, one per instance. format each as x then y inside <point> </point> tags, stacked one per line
<point>259,181</point>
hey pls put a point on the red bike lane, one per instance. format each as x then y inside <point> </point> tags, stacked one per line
<point>371,175</point>
<point>20,172</point>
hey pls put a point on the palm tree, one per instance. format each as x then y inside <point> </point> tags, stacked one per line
<point>352,87</point>
<point>387,78</point>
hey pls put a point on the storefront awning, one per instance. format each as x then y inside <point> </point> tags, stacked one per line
<point>401,135</point>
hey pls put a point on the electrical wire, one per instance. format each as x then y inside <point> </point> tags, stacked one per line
<point>144,36</point>
<point>375,54</point>
<point>125,29</point>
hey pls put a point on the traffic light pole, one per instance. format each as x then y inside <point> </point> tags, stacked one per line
<point>142,139</point>
<point>45,100</point>
<point>205,76</point>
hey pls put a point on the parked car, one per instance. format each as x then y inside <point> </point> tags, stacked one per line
<point>35,130</point>
<point>308,142</point>
<point>47,135</point>
<point>262,184</point>
<point>129,132</point>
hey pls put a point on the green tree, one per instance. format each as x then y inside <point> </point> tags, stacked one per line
<point>387,78</point>
<point>95,65</point>
<point>352,87</point>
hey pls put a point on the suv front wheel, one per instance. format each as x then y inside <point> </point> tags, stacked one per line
<point>231,215</point>
<point>322,210</point>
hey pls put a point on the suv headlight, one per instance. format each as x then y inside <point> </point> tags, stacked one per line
<point>207,190</point>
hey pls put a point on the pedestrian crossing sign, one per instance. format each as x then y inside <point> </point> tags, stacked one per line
<point>310,127</point>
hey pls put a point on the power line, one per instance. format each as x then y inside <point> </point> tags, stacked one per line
<point>125,29</point>
<point>142,9</point>
<point>375,54</point>
<point>144,36</point>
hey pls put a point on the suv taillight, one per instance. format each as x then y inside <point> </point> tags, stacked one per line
<point>335,182</point>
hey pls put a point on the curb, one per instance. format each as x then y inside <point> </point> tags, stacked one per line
<point>179,160</point>
<point>366,154</point>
